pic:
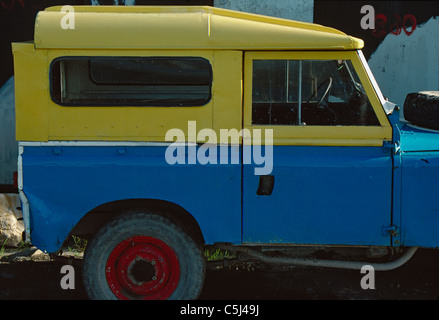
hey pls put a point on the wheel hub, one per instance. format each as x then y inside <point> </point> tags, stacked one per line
<point>142,268</point>
<point>141,271</point>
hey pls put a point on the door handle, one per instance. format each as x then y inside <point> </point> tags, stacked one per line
<point>266,184</point>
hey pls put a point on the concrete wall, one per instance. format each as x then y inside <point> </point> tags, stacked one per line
<point>402,50</point>
<point>301,10</point>
<point>408,63</point>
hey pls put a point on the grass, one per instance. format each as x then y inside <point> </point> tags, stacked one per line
<point>21,246</point>
<point>218,254</point>
<point>2,249</point>
<point>76,245</point>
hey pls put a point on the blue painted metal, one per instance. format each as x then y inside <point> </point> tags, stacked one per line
<point>394,119</point>
<point>415,210</point>
<point>419,199</point>
<point>321,195</point>
<point>416,139</point>
<point>64,183</point>
<point>419,187</point>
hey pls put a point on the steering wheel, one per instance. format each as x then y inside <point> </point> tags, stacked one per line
<point>322,104</point>
<point>325,95</point>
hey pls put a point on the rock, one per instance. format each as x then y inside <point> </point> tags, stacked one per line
<point>11,225</point>
<point>28,254</point>
<point>39,256</point>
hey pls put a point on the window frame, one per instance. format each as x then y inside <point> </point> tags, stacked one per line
<point>318,135</point>
<point>157,103</point>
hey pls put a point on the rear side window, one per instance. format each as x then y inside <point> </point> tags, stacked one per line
<point>131,81</point>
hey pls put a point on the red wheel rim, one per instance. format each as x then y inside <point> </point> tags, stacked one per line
<point>142,268</point>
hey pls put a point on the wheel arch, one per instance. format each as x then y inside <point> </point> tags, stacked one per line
<point>92,221</point>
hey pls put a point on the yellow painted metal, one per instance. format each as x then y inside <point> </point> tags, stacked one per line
<point>125,123</point>
<point>227,90</point>
<point>319,135</point>
<point>181,27</point>
<point>221,36</point>
<point>41,119</point>
<point>31,76</point>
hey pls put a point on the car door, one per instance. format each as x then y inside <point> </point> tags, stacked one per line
<point>331,177</point>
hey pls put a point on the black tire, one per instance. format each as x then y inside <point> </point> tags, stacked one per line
<point>422,109</point>
<point>141,255</point>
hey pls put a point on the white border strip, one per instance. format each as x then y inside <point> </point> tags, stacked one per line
<point>93,144</point>
<point>26,215</point>
<point>20,167</point>
<point>24,201</point>
<point>371,77</point>
<point>22,144</point>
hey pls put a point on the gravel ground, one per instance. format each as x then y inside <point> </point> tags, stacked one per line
<point>30,277</point>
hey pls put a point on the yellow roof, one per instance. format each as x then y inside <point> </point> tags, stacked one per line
<point>181,27</point>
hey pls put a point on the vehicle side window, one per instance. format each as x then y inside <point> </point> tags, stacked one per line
<point>131,81</point>
<point>309,92</point>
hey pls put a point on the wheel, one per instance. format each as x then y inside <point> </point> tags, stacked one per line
<point>141,255</point>
<point>422,109</point>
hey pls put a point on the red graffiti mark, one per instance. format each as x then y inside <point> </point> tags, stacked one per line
<point>412,21</point>
<point>408,24</point>
<point>396,27</point>
<point>380,24</point>
<point>12,4</point>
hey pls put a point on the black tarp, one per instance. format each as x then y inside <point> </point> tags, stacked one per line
<point>17,18</point>
<point>391,16</point>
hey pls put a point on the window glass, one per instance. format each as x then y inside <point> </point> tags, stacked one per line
<point>309,92</point>
<point>138,81</point>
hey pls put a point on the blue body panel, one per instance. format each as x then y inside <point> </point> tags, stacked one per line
<point>62,184</point>
<point>321,195</point>
<point>420,199</point>
<point>419,151</point>
<point>417,140</point>
<point>337,195</point>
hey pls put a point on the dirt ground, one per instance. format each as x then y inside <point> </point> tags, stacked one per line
<point>39,279</point>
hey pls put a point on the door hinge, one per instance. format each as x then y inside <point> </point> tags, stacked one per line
<point>390,146</point>
<point>390,230</point>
